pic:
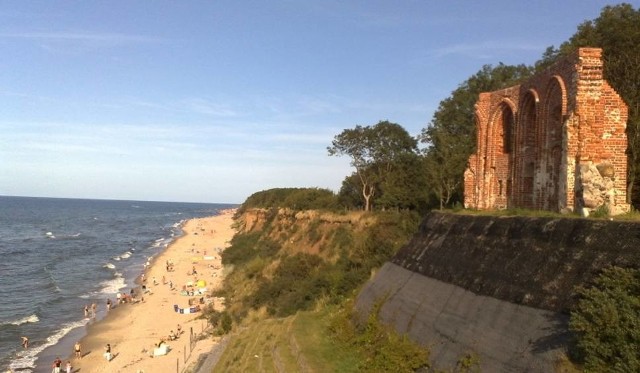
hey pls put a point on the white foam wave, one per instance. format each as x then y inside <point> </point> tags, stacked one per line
<point>126,255</point>
<point>109,265</point>
<point>114,285</point>
<point>50,235</point>
<point>24,320</point>
<point>25,359</point>
<point>107,287</point>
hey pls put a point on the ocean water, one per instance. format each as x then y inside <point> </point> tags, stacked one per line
<point>57,255</point>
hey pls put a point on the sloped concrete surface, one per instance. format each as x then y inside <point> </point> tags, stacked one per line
<point>507,337</point>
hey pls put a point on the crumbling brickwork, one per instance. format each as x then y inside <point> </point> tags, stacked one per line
<point>556,142</point>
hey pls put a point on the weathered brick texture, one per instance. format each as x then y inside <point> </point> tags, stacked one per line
<point>556,142</point>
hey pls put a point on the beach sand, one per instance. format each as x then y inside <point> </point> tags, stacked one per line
<point>133,329</point>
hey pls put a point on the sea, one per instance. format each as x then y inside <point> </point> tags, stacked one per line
<point>58,255</point>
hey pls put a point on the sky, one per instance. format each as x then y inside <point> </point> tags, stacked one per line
<point>211,101</point>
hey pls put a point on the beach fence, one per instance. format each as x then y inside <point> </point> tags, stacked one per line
<point>188,349</point>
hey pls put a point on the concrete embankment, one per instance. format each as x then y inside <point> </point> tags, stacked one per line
<point>499,287</point>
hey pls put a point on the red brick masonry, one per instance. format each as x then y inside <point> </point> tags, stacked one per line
<point>556,142</point>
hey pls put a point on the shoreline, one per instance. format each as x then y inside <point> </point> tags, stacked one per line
<point>134,329</point>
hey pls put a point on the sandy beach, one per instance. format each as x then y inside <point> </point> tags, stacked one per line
<point>133,330</point>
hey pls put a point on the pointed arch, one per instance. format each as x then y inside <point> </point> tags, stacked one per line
<point>552,149</point>
<point>527,150</point>
<point>499,153</point>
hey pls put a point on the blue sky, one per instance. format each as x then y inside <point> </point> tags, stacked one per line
<point>210,101</point>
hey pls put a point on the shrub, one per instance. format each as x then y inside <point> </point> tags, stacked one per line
<point>242,248</point>
<point>383,349</point>
<point>606,322</point>
<point>246,246</point>
<point>296,284</point>
<point>314,234</point>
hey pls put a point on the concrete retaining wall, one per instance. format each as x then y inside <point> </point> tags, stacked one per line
<point>501,287</point>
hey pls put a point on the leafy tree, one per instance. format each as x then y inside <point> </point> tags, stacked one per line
<point>292,198</point>
<point>406,187</point>
<point>617,32</point>
<point>606,321</point>
<point>350,194</point>
<point>450,137</point>
<point>374,152</point>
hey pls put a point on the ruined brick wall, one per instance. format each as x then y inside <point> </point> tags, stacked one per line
<point>556,142</point>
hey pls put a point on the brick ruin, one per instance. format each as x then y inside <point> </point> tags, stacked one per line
<point>556,142</point>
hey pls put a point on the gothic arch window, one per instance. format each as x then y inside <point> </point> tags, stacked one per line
<point>553,142</point>
<point>507,128</point>
<point>528,144</point>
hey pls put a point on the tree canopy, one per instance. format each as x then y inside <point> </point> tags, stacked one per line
<point>375,152</point>
<point>450,137</point>
<point>617,32</point>
<point>381,154</point>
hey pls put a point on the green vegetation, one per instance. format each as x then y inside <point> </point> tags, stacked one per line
<point>309,341</point>
<point>606,321</point>
<point>275,273</point>
<point>617,32</point>
<point>289,266</point>
<point>291,198</point>
<point>391,173</point>
<point>377,153</point>
<point>286,282</point>
<point>450,137</point>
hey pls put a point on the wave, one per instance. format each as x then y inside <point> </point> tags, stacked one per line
<point>109,265</point>
<point>126,255</point>
<point>114,285</point>
<point>71,236</point>
<point>25,359</point>
<point>29,319</point>
<point>108,287</point>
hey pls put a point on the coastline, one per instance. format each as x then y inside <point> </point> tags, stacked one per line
<point>133,329</point>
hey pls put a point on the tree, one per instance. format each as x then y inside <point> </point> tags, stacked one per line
<point>606,321</point>
<point>350,195</point>
<point>406,187</point>
<point>617,32</point>
<point>374,151</point>
<point>450,137</point>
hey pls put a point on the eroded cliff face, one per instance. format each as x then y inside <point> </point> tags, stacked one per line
<point>302,231</point>
<point>499,287</point>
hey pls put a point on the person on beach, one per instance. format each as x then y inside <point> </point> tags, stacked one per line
<point>76,350</point>
<point>25,342</point>
<point>107,352</point>
<point>68,367</point>
<point>108,304</point>
<point>94,308</point>
<point>57,364</point>
<point>86,311</point>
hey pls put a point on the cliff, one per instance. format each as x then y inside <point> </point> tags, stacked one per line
<point>496,286</point>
